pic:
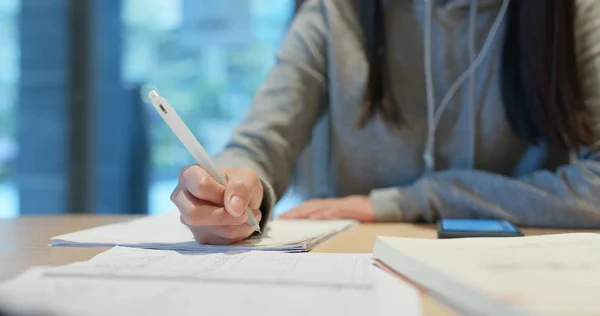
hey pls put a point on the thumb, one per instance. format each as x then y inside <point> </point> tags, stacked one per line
<point>238,191</point>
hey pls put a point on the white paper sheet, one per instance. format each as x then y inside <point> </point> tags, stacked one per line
<point>128,281</point>
<point>166,232</point>
<point>548,275</point>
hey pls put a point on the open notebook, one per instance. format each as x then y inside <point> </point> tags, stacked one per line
<point>166,232</point>
<point>540,275</point>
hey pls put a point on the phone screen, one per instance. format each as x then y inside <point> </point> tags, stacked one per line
<point>477,225</point>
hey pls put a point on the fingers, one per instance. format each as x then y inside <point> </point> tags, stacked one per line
<point>215,213</point>
<point>243,189</point>
<point>223,234</point>
<point>320,213</point>
<point>201,185</point>
<point>355,207</point>
<point>330,214</point>
<point>202,214</point>
<point>306,210</point>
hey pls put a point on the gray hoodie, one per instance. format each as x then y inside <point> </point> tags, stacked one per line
<point>459,160</point>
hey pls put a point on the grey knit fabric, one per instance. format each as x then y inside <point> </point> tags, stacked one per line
<point>322,68</point>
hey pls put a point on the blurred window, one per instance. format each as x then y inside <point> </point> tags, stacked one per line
<point>9,86</point>
<point>208,58</point>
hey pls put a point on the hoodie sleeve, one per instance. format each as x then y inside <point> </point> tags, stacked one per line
<point>286,107</point>
<point>569,197</point>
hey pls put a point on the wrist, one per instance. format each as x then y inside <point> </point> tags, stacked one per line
<point>385,204</point>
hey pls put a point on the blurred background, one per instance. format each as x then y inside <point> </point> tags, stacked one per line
<point>75,135</point>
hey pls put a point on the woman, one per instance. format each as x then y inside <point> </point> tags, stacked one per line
<point>437,108</point>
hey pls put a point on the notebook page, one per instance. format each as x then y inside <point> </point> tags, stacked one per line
<point>166,232</point>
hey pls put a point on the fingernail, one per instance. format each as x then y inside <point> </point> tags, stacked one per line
<point>237,206</point>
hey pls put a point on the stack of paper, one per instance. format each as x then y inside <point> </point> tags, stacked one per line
<point>166,232</point>
<point>129,281</point>
<point>549,275</point>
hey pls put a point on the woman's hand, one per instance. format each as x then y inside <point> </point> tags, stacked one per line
<point>214,213</point>
<point>353,207</point>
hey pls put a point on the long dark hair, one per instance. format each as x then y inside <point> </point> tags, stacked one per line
<point>540,83</point>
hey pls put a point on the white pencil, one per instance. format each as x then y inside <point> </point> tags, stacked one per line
<point>193,146</point>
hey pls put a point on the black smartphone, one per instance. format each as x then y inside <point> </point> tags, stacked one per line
<point>463,228</point>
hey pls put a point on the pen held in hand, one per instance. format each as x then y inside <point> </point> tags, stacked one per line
<point>193,146</point>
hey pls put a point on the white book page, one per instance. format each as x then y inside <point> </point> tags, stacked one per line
<point>550,275</point>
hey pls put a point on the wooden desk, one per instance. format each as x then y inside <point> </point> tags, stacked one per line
<point>25,243</point>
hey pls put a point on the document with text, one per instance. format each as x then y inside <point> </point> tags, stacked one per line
<point>130,281</point>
